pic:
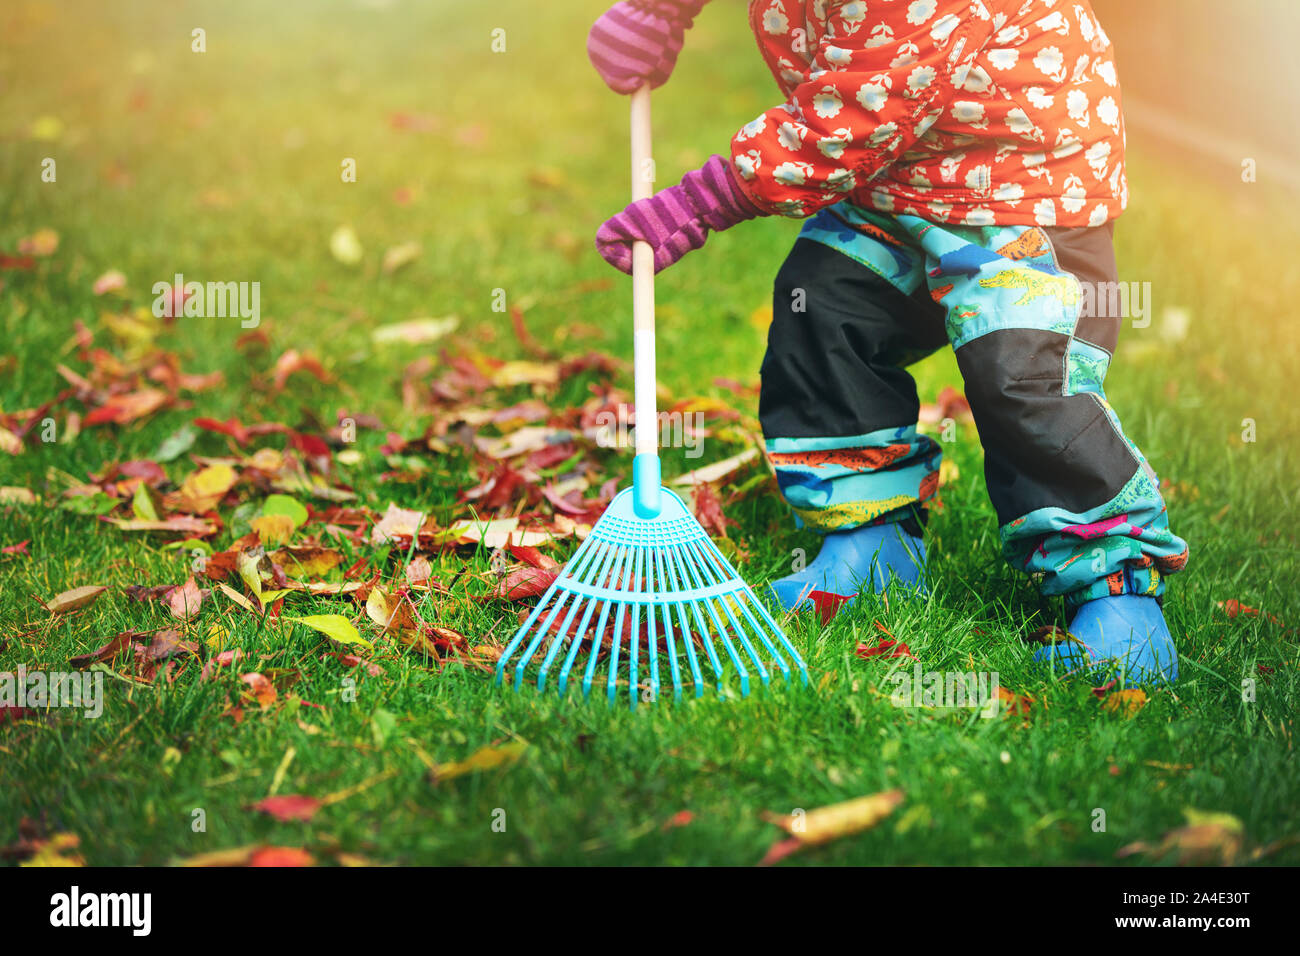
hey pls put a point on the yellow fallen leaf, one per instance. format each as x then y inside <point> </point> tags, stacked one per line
<point>202,490</point>
<point>334,626</point>
<point>837,820</point>
<point>273,529</point>
<point>58,850</point>
<point>485,758</point>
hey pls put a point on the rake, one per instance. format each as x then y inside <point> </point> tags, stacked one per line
<point>647,591</point>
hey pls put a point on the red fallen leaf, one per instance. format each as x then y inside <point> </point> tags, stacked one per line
<point>827,605</point>
<point>288,808</point>
<point>150,472</point>
<point>10,712</point>
<point>231,427</point>
<point>522,583</point>
<point>281,856</point>
<point>708,511</point>
<point>1232,607</point>
<point>16,262</point>
<point>127,408</point>
<point>19,548</point>
<point>531,556</point>
<point>116,645</point>
<point>885,649</point>
<point>224,659</point>
<point>550,456</point>
<point>292,361</point>
<point>1264,668</point>
<point>679,819</point>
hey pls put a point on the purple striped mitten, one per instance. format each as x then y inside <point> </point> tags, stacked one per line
<point>637,41</point>
<point>677,219</point>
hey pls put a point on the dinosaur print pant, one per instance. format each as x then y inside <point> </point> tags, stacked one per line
<point>862,295</point>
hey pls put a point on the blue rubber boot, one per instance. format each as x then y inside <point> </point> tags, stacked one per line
<point>1125,635</point>
<point>849,561</point>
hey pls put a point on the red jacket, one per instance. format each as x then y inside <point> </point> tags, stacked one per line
<point>977,112</point>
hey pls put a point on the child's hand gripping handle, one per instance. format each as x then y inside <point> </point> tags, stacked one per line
<point>645,467</point>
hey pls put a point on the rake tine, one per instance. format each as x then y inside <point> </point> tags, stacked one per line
<point>587,545</point>
<point>616,641</point>
<point>600,626</point>
<point>653,649</point>
<point>673,664</point>
<point>601,567</point>
<point>717,563</point>
<point>741,670</point>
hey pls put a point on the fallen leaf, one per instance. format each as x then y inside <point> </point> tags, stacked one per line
<point>1208,838</point>
<point>58,850</point>
<point>485,758</point>
<point>202,490</point>
<point>414,331</point>
<point>184,601</point>
<point>119,644</point>
<point>334,626</point>
<point>1124,702</point>
<point>825,824</point>
<point>110,281</point>
<point>719,470</point>
<point>74,599</point>
<point>288,808</point>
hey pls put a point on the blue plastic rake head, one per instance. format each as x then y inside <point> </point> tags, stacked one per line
<point>645,595</point>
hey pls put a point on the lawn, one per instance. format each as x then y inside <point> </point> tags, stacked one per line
<point>226,165</point>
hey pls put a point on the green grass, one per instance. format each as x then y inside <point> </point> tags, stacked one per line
<point>225,165</point>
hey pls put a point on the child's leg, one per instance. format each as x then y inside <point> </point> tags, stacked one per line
<point>839,411</point>
<point>1079,507</point>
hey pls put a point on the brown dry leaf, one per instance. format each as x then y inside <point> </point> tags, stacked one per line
<point>825,824</point>
<point>202,490</point>
<point>1124,702</point>
<point>185,600</point>
<point>166,645</point>
<point>292,361</point>
<point>1012,703</point>
<point>483,759</point>
<point>1208,838</point>
<point>73,600</point>
<point>261,688</point>
<point>116,645</point>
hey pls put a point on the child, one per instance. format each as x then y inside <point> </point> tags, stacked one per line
<point>960,167</point>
